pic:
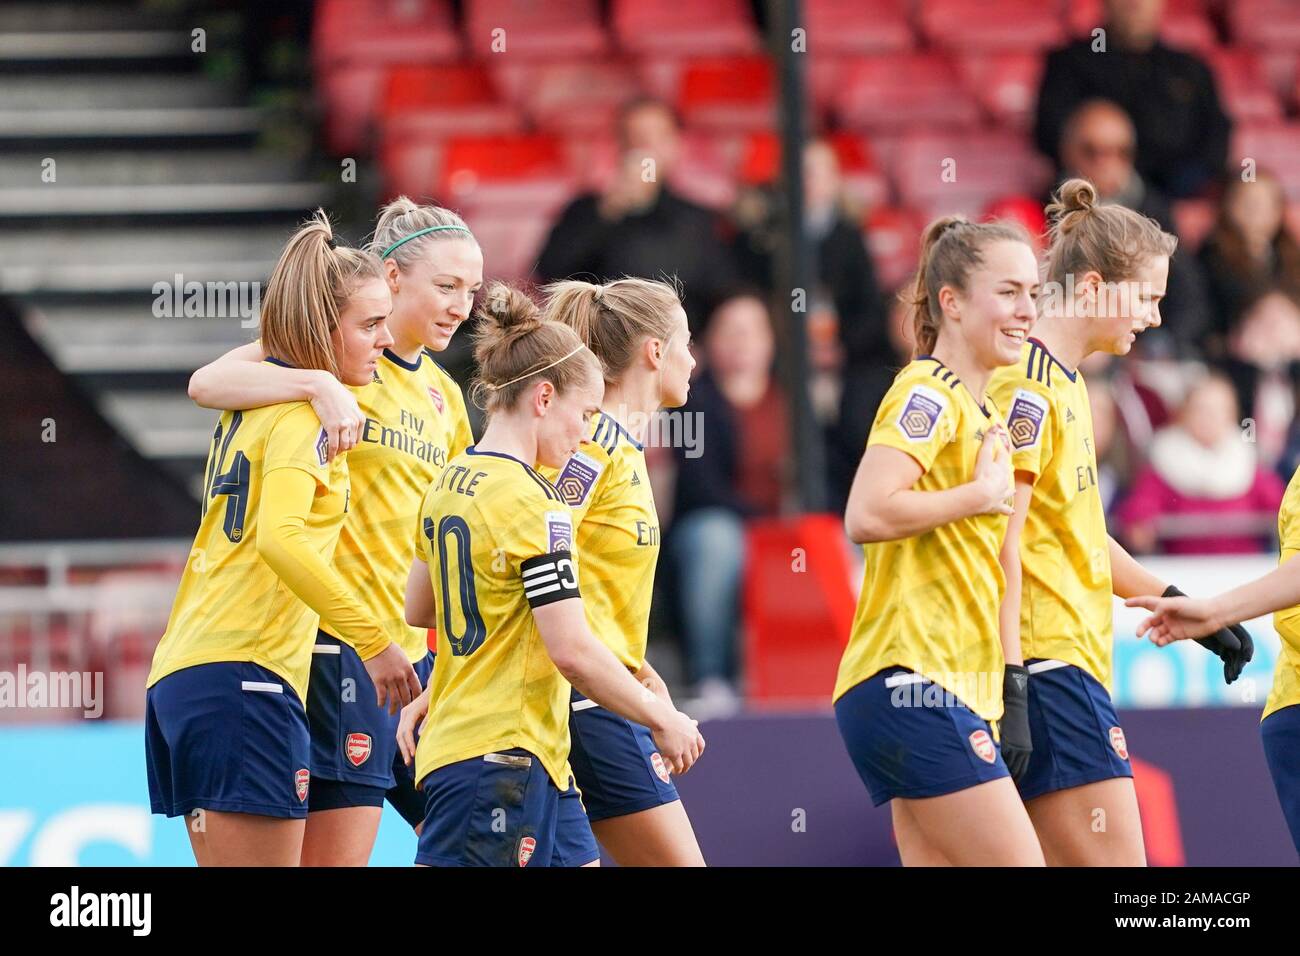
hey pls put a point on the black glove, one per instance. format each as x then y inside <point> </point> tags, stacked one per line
<point>1232,645</point>
<point>1014,726</point>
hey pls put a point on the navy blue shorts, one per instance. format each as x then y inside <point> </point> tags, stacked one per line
<point>502,809</point>
<point>1281,733</point>
<point>230,736</point>
<point>907,743</point>
<point>353,740</point>
<point>615,762</point>
<point>1075,730</point>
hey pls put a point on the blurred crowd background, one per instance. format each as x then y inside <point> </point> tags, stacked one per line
<point>189,137</point>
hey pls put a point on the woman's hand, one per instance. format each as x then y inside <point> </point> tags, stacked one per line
<point>340,415</point>
<point>992,477</point>
<point>413,717</point>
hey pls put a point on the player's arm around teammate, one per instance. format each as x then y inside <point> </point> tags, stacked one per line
<point>226,733</point>
<point>638,330</point>
<point>401,427</point>
<point>921,678</point>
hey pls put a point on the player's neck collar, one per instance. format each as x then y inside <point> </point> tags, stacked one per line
<point>402,363</point>
<point>1071,375</point>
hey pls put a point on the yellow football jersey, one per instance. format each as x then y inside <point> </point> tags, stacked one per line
<point>230,605</point>
<point>1286,675</point>
<point>930,602</point>
<point>606,485</point>
<point>498,539</point>
<point>415,423</point>
<point>1065,605</point>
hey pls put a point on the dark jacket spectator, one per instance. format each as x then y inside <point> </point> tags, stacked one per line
<point>844,269</point>
<point>1248,251</point>
<point>1182,130</point>
<point>639,227</point>
<point>1098,143</point>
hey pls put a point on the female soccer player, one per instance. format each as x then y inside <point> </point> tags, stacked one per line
<point>1106,273</point>
<point>497,548</point>
<point>923,673</point>
<point>411,420</point>
<point>226,732</point>
<point>1179,618</point>
<point>637,328</point>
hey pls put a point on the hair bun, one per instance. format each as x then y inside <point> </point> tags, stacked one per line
<point>1075,196</point>
<point>509,309</point>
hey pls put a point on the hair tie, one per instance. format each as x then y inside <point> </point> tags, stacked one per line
<point>331,242</point>
<point>600,291</point>
<point>495,388</point>
<point>420,232</point>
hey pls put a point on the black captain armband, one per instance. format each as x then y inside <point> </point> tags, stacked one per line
<point>549,578</point>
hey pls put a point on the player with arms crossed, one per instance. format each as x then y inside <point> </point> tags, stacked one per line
<point>921,679</point>
<point>1106,273</point>
<point>226,731</point>
<point>498,573</point>
<point>402,428</point>
<point>637,328</point>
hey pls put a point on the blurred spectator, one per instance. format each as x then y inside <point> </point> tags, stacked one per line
<point>1136,408</point>
<point>739,475</point>
<point>1098,143</point>
<point>1205,490</point>
<point>844,269</point>
<point>1248,250</point>
<point>638,226</point>
<point>1264,366</point>
<point>1182,131</point>
<point>863,388</point>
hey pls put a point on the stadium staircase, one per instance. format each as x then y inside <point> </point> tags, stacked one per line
<point>160,167</point>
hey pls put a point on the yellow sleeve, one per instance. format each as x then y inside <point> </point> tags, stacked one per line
<point>297,440</point>
<point>583,478</point>
<point>1030,424</point>
<point>916,417</point>
<point>540,549</point>
<point>283,543</point>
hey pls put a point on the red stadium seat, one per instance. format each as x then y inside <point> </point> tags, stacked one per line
<point>379,32</point>
<point>977,25</point>
<point>1244,86</point>
<point>1185,24</point>
<point>729,94</point>
<point>1005,84</point>
<point>581,96</point>
<point>509,188</point>
<point>894,239</point>
<point>354,41</point>
<point>799,606</point>
<point>698,28</point>
<point>520,165</point>
<point>1274,148</point>
<point>904,90</point>
<point>1266,24</point>
<point>531,28</point>
<point>444,100</point>
<point>857,26</point>
<point>942,173</point>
